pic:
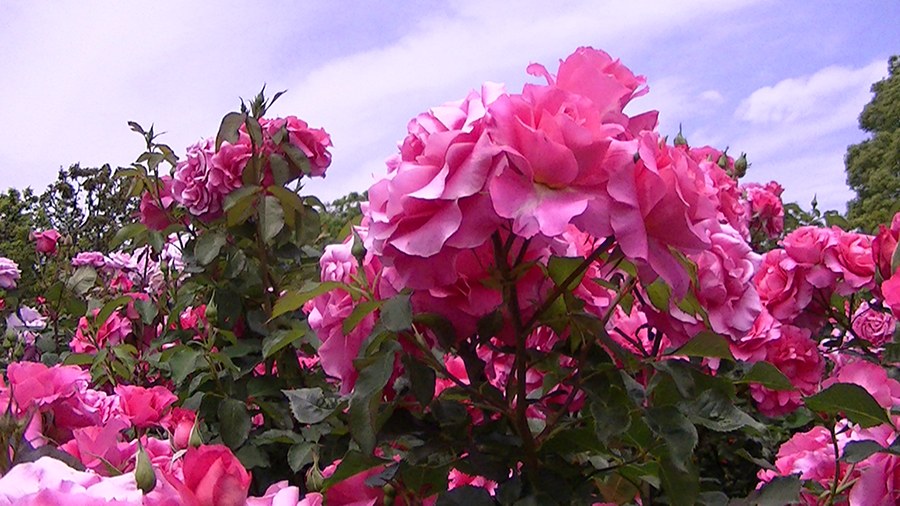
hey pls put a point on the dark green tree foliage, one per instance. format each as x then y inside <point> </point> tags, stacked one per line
<point>873,166</point>
<point>89,206</point>
<point>339,213</point>
<point>20,213</point>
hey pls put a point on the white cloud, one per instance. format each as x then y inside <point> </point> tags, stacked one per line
<point>832,89</point>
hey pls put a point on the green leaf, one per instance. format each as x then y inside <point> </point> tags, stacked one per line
<point>79,359</point>
<point>147,310</point>
<point>239,204</point>
<point>108,309</point>
<point>359,313</point>
<point>82,279</point>
<point>125,233</point>
<point>421,379</point>
<point>677,431</point>
<point>254,130</point>
<point>290,202</point>
<point>768,376</point>
<point>309,405</point>
<point>610,421</point>
<point>714,410</point>
<point>560,268</point>
<point>281,338</point>
<point>281,171</point>
<point>659,293</point>
<point>442,327</point>
<point>228,129</point>
<point>396,314</point>
<point>183,362</point>
<point>273,220</point>
<point>780,491</point>
<point>705,344</point>
<point>296,157</point>
<point>853,401</point>
<point>208,246</point>
<point>682,486</point>
<point>235,422</point>
<point>858,451</point>
<point>367,397</point>
<point>300,455</point>
<point>352,464</point>
<point>293,301</point>
<point>490,324</point>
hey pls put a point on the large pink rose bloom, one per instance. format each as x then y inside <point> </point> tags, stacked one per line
<point>751,347</point>
<point>144,407</point>
<point>213,476</point>
<point>766,208</point>
<point>730,206</point>
<point>871,377</point>
<point>113,331</point>
<point>562,141</point>
<point>151,213</point>
<point>314,142</point>
<point>203,179</point>
<point>725,286</point>
<point>431,204</point>
<point>782,285</point>
<point>50,481</point>
<point>874,326</point>
<point>797,356</point>
<point>853,260</point>
<point>35,385</point>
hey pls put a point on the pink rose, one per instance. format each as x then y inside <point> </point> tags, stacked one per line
<point>99,446</point>
<point>45,242</point>
<point>50,481</point>
<point>92,258</point>
<point>766,208</point>
<point>890,290</point>
<point>854,261</point>
<point>751,347</point>
<point>459,479</point>
<point>725,286</point>
<point>36,385</point>
<point>811,455</point>
<point>203,179</point>
<point>879,483</point>
<point>728,200</point>
<point>797,356</point>
<point>9,273</point>
<point>213,476</point>
<point>144,407</point>
<point>813,248</point>
<point>877,327</point>
<point>180,423</point>
<point>337,262</point>
<point>113,331</point>
<point>151,213</point>
<point>353,491</point>
<point>871,377</point>
<point>278,494</point>
<point>884,244</point>
<point>314,142</point>
<point>782,286</point>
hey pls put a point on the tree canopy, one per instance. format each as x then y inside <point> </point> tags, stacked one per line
<point>873,166</point>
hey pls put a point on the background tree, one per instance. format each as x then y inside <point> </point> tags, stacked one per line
<point>873,166</point>
<point>339,213</point>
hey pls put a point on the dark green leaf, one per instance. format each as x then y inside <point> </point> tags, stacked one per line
<point>560,268</point>
<point>682,486</point>
<point>147,309</point>
<point>780,491</point>
<point>79,359</point>
<point>466,495</point>
<point>273,220</point>
<point>442,327</point>
<point>293,301</point>
<point>82,279</point>
<point>251,456</point>
<point>705,344</point>
<point>714,410</point>
<point>108,309</point>
<point>768,376</point>
<point>125,233</point>
<point>235,422</point>
<point>281,171</point>
<point>858,451</point>
<point>659,293</point>
<point>183,362</point>
<point>677,431</point>
<point>228,129</point>
<point>300,455</point>
<point>853,401</point>
<point>490,324</point>
<point>421,379</point>
<point>253,130</point>
<point>309,405</point>
<point>281,338</point>
<point>297,157</point>
<point>352,464</point>
<point>359,313</point>
<point>396,314</point>
<point>208,246</point>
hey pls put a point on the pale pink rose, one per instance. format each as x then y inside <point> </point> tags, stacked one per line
<point>337,262</point>
<point>50,481</point>
<point>725,283</point>
<point>92,258</point>
<point>781,285</point>
<point>632,332</point>
<point>879,483</point>
<point>278,494</point>
<point>45,241</point>
<point>27,323</point>
<point>874,326</point>
<point>751,347</point>
<point>113,331</point>
<point>150,213</point>
<point>100,446</point>
<point>180,423</point>
<point>9,273</point>
<point>766,208</point>
<point>314,142</point>
<point>797,356</point>
<point>213,476</point>
<point>144,407</point>
<point>310,499</point>
<point>869,376</point>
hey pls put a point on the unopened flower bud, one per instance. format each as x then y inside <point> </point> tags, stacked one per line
<point>679,139</point>
<point>723,160</point>
<point>211,313</point>
<point>314,477</point>
<point>195,440</point>
<point>144,476</point>
<point>740,166</point>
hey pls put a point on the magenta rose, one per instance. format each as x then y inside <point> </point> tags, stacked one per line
<point>797,356</point>
<point>782,286</point>
<point>180,423</point>
<point>884,244</point>
<point>854,261</point>
<point>751,347</point>
<point>113,331</point>
<point>153,210</point>
<point>729,203</point>
<point>9,273</point>
<point>877,327</point>
<point>337,262</point>
<point>766,208</point>
<point>314,142</point>
<point>813,249</point>
<point>45,241</point>
<point>871,377</point>
<point>203,179</point>
<point>144,407</point>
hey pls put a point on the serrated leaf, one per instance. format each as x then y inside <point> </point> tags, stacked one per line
<point>234,422</point>
<point>359,313</point>
<point>82,279</point>
<point>780,491</point>
<point>228,129</point>
<point>705,344</point>
<point>677,431</point>
<point>300,455</point>
<point>273,218</point>
<point>560,268</point>
<point>308,405</point>
<point>396,313</point>
<point>852,400</point>
<point>208,246</point>
<point>858,451</point>
<point>281,170</point>
<point>768,376</point>
<point>682,486</point>
<point>293,301</point>
<point>281,338</point>
<point>296,157</point>
<point>290,202</point>
<point>182,363</point>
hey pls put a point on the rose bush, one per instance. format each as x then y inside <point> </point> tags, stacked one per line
<point>545,302</point>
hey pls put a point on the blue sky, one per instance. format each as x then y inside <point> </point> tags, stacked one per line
<point>783,81</point>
